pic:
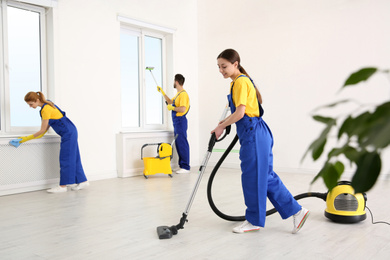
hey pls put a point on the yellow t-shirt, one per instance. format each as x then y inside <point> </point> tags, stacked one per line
<point>49,112</point>
<point>244,93</point>
<point>182,100</point>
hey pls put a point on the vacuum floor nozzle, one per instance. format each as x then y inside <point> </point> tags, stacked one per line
<point>164,232</point>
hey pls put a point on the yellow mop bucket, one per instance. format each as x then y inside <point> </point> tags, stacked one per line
<point>161,163</point>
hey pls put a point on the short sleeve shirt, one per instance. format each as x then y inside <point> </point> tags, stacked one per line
<point>49,112</point>
<point>244,93</point>
<point>182,100</point>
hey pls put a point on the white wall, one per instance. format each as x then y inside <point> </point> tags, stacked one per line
<point>300,53</point>
<point>87,80</point>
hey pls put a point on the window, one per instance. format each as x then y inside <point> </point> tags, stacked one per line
<point>23,66</point>
<point>140,47</point>
<point>130,83</point>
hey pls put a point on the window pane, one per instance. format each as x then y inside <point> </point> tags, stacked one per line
<point>129,80</point>
<point>154,100</point>
<point>24,64</point>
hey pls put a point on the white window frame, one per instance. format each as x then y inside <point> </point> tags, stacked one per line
<point>143,29</point>
<point>5,121</point>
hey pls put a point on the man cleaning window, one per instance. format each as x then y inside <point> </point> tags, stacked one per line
<point>179,105</point>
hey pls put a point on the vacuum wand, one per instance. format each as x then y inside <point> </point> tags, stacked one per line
<point>165,232</point>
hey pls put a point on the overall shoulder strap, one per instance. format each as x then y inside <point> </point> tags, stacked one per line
<point>261,110</point>
<point>178,95</point>
<point>242,75</point>
<point>62,112</point>
<point>40,111</point>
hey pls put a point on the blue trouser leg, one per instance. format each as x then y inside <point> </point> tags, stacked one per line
<point>67,166</point>
<point>182,146</point>
<point>80,175</point>
<point>258,178</point>
<point>71,170</point>
<point>281,197</point>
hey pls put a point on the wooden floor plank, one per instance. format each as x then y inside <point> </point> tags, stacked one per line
<point>117,219</point>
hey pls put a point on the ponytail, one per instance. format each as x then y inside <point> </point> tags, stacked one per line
<point>243,71</point>
<point>259,96</point>
<point>232,56</point>
<point>33,96</point>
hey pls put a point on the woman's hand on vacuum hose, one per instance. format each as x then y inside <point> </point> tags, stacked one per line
<point>233,118</point>
<point>218,131</point>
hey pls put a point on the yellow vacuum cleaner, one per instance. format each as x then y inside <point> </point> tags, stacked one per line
<point>161,163</point>
<point>344,206</point>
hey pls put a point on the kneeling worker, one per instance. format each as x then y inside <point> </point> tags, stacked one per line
<point>179,105</point>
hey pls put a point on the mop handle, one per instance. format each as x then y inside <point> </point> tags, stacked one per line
<point>153,77</point>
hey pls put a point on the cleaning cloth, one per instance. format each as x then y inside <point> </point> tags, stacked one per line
<point>15,142</point>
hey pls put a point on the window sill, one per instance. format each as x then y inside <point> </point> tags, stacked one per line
<point>8,137</point>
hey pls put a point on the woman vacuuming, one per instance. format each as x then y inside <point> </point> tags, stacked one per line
<point>259,180</point>
<point>71,170</point>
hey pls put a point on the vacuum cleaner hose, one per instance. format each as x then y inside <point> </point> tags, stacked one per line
<point>242,218</point>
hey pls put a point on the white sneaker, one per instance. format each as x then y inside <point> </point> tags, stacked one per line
<point>299,219</point>
<point>57,189</point>
<point>81,186</point>
<point>245,227</point>
<point>183,171</point>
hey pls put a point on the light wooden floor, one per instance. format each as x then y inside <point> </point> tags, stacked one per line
<point>117,219</point>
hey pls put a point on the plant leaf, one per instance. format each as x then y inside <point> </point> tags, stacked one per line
<point>359,76</point>
<point>317,146</point>
<point>321,172</point>
<point>332,104</point>
<point>346,127</point>
<point>351,153</point>
<point>378,136</point>
<point>367,172</point>
<point>378,128</point>
<point>330,173</point>
<point>358,126</point>
<point>335,152</point>
<point>339,166</point>
<point>325,120</point>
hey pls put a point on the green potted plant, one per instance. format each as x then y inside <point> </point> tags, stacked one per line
<point>360,138</point>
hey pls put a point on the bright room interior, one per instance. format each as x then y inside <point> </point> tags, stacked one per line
<point>299,53</point>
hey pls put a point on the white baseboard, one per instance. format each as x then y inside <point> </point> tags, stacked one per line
<point>101,175</point>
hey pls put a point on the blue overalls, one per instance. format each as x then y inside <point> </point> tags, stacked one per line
<point>180,126</point>
<point>258,178</point>
<point>71,170</point>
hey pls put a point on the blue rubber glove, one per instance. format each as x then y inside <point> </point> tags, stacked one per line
<point>15,142</point>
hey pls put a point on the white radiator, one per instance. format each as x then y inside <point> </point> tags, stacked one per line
<point>34,165</point>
